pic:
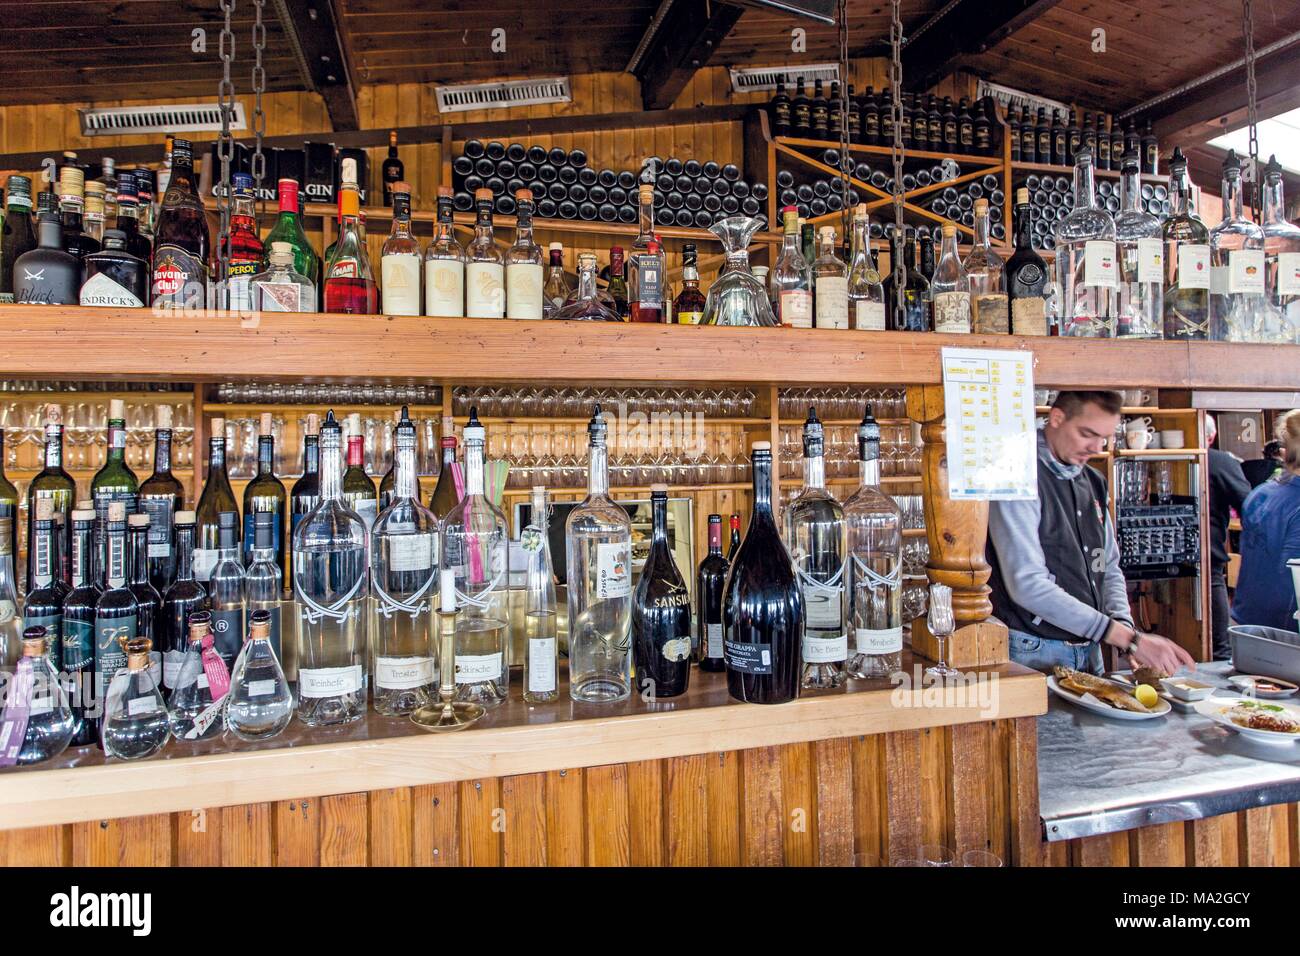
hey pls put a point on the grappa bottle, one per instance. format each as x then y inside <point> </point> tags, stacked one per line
<point>280,287</point>
<point>1237,287</point>
<point>983,268</point>
<point>1140,305</point>
<point>1187,260</point>
<point>201,685</point>
<point>263,581</point>
<point>259,704</point>
<point>661,614</point>
<point>1087,268</point>
<point>1281,255</point>
<point>444,263</point>
<point>866,293</point>
<point>523,270</point>
<point>485,290</point>
<point>830,278</point>
<point>183,597</point>
<point>541,652</point>
<point>556,291</point>
<point>55,485</point>
<point>265,493</point>
<point>349,282</point>
<point>950,287</point>
<point>135,721</point>
<point>399,263</point>
<point>791,288</point>
<point>586,303</point>
<point>37,723</point>
<point>115,481</point>
<point>226,591</point>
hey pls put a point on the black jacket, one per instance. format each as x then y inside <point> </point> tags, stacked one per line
<point>1228,489</point>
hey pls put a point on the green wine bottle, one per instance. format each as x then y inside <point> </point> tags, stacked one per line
<point>114,482</point>
<point>216,498</point>
<point>265,493</point>
<point>288,228</point>
<point>58,487</point>
<point>162,496</point>
<point>358,487</point>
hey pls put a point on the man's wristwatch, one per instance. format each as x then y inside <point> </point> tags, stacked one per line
<point>1132,645</point>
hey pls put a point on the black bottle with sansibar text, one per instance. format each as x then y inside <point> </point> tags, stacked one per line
<point>661,614</point>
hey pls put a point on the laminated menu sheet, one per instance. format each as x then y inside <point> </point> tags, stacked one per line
<point>992,441</point>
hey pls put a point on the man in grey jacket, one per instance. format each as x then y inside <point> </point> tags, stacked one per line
<point>1056,581</point>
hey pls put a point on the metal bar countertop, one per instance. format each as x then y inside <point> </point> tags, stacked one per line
<point>1097,775</point>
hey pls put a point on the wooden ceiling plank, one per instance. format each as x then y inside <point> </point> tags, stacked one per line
<point>969,27</point>
<point>683,41</point>
<point>313,28</point>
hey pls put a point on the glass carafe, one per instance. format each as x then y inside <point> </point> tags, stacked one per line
<point>736,297</point>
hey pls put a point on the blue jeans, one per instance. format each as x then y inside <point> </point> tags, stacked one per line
<point>1042,654</point>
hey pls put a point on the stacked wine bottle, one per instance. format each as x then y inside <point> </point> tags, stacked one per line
<point>958,203</point>
<point>1052,197</point>
<point>691,193</point>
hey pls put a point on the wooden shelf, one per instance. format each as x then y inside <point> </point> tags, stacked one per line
<point>887,151</point>
<point>1019,167</point>
<point>1158,452</point>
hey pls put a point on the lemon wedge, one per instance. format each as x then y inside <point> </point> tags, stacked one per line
<point>1146,695</point>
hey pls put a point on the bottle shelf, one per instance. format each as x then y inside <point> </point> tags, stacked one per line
<point>1019,167</point>
<point>868,149</point>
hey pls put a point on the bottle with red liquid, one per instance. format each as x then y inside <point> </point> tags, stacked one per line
<point>236,293</point>
<point>350,286</point>
<point>616,291</point>
<point>735,539</point>
<point>645,297</point>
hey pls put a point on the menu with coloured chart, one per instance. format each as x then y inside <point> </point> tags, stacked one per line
<point>992,442</point>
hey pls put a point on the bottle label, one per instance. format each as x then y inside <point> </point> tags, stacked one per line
<point>713,641</point>
<point>100,290</point>
<point>989,314</point>
<point>410,552</point>
<point>109,655</point>
<point>159,510</point>
<point>676,650</point>
<point>485,294</point>
<point>205,559</point>
<point>541,665</point>
<point>444,287</point>
<point>796,308</point>
<point>830,650</point>
<point>1099,263</point>
<point>1288,273</point>
<point>1194,266</point>
<point>102,501</point>
<point>239,284</point>
<point>887,640</point>
<point>952,312</point>
<point>172,662</point>
<point>1029,316</point>
<point>250,536</point>
<point>477,668</point>
<point>868,315</point>
<point>142,706</point>
<point>524,290</point>
<point>1150,260</point>
<point>832,302</point>
<point>689,318</point>
<point>228,632</point>
<point>399,278</point>
<point>650,281</point>
<point>286,297</point>
<point>180,279</point>
<point>403,673</point>
<point>315,683</point>
<point>260,688</point>
<point>78,644</point>
<point>748,658</point>
<point>366,509</point>
<point>1246,272</point>
<point>613,570</point>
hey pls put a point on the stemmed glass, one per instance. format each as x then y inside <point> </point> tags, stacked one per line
<point>941,624</point>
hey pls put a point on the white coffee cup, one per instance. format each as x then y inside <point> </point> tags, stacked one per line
<point>1172,438</point>
<point>1138,439</point>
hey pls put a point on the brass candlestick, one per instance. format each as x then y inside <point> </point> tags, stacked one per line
<point>447,714</point>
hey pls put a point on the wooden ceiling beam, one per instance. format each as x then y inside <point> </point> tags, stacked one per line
<point>969,28</point>
<point>679,44</point>
<point>313,31</point>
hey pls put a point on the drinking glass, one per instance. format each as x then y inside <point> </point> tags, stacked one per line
<point>941,625</point>
<point>936,854</point>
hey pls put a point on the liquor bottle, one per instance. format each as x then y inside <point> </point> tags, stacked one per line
<point>733,544</point>
<point>405,582</point>
<point>1028,137</point>
<point>870,118</point>
<point>485,269</point>
<point>1140,303</point>
<point>330,584</point>
<point>951,131</point>
<point>182,598</point>
<point>1043,132</point>
<point>830,277</point>
<point>1026,275</point>
<point>1073,138</point>
<point>556,291</point>
<point>1102,152</point>
<point>259,704</point>
<point>359,488</point>
<point>388,481</point>
<point>264,579</point>
<point>854,116</point>
<point>46,592</point>
<point>444,263</point>
<point>201,684</point>
<point>908,130</point>
<point>113,277</point>
<point>279,287</point>
<point>444,496</point>
<point>116,611</point>
<point>1086,266</point>
<point>72,185</point>
<point>135,724</point>
<point>762,607</point>
<point>661,614</point>
<point>598,541</point>
<point>1150,151</point>
<point>865,290</point>
<point>17,234</point>
<point>305,493</point>
<point>399,264</point>
<point>1237,287</point>
<point>226,590</point>
<point>78,653</point>
<point>647,288</point>
<point>474,534</point>
<point>93,217</point>
<point>801,111</point>
<point>149,620</point>
<point>983,268</point>
<point>1281,253</point>
<point>950,288</point>
<point>791,288</point>
<point>37,722</point>
<point>523,271</point>
<point>915,316</point>
<point>115,481</point>
<point>288,229</point>
<point>834,114</point>
<point>874,527</point>
<point>1116,144</point>
<point>235,293</point>
<point>215,498</point>
<point>182,242</point>
<point>47,275</point>
<point>1013,132</point>
<point>615,294</point>
<point>819,112</point>
<point>1187,260</point>
<point>1060,140</point>
<point>710,579</point>
<point>689,305</point>
<point>349,283</point>
<point>983,131</point>
<point>265,493</point>
<point>587,303</point>
<point>814,534</point>
<point>55,486</point>
<point>392,171</point>
<point>541,651</point>
<point>779,110</point>
<point>148,211</point>
<point>1088,138</point>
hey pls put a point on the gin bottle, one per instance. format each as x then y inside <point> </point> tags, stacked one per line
<point>135,720</point>
<point>830,278</point>
<point>661,613</point>
<point>263,581</point>
<point>444,263</point>
<point>598,544</point>
<point>1236,266</point>
<point>541,653</point>
<point>950,287</point>
<point>116,610</point>
<point>280,287</point>
<point>37,723</point>
<point>330,584</point>
<point>201,686</point>
<point>259,704</point>
<point>474,534</point>
<point>1187,260</point>
<point>405,581</point>
<point>1138,236</point>
<point>814,533</point>
<point>226,591</point>
<point>1281,255</point>
<point>866,293</point>
<point>875,543</point>
<point>1087,271</point>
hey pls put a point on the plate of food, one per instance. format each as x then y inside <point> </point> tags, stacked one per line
<point>1105,697</point>
<point>1255,719</point>
<point>1267,688</point>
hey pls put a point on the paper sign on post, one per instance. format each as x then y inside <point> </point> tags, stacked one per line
<point>992,439</point>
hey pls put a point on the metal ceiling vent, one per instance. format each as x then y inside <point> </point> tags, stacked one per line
<point>177,118</point>
<point>503,94</point>
<point>765,77</point>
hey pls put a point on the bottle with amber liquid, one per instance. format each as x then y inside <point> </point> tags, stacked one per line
<point>689,306</point>
<point>182,242</point>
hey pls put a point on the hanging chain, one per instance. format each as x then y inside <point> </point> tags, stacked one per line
<point>225,151</point>
<point>846,158</point>
<point>1252,95</point>
<point>896,149</point>
<point>259,86</point>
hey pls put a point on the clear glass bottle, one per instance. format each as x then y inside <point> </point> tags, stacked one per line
<point>814,535</point>
<point>11,619</point>
<point>444,263</point>
<point>485,288</point>
<point>989,307</point>
<point>37,723</point>
<point>598,544</point>
<point>1087,267</point>
<point>1281,255</point>
<point>830,277</point>
<point>1237,287</point>
<point>950,287</point>
<point>791,288</point>
<point>1140,305</point>
<point>556,291</point>
<point>874,527</point>
<point>330,584</point>
<point>135,719</point>
<point>405,582</point>
<point>541,653</point>
<point>586,303</point>
<point>1187,260</point>
<point>263,581</point>
<point>278,288</point>
<point>201,686</point>
<point>116,610</point>
<point>226,591</point>
<point>474,532</point>
<point>524,298</point>
<point>399,263</point>
<point>259,704</point>
<point>648,284</point>
<point>736,297</point>
<point>866,292</point>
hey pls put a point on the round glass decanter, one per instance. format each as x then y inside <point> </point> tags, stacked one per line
<point>736,297</point>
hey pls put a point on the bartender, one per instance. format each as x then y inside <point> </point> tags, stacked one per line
<point>1056,580</point>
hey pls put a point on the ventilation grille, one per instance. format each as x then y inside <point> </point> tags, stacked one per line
<point>1008,97</point>
<point>182,117</point>
<point>764,78</point>
<point>503,95</point>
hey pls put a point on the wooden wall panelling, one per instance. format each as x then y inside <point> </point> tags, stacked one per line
<point>1026,828</point>
<point>298,832</point>
<point>435,825</point>
<point>934,781</point>
<point>723,786</point>
<point>37,846</point>
<point>391,827</point>
<point>523,799</point>
<point>905,807</point>
<point>566,801</point>
<point>686,810</point>
<point>968,773</point>
<point>645,801</point>
<point>246,835</point>
<point>344,829</point>
<point>132,841</point>
<point>1158,845</point>
<point>799,804</point>
<point>481,822</point>
<point>870,799</point>
<point>833,769</point>
<point>1205,839</point>
<point>764,820</point>
<point>1109,849</point>
<point>608,838</point>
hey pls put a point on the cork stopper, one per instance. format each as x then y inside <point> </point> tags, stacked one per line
<point>218,428</point>
<point>117,409</point>
<point>281,254</point>
<point>859,213</point>
<point>266,424</point>
<point>354,424</point>
<point>523,195</point>
<point>482,195</point>
<point>84,512</point>
<point>647,193</point>
<point>117,511</point>
<point>184,517</point>
<point>446,192</point>
<point>1022,196</point>
<point>981,207</point>
<point>949,229</point>
<point>162,416</point>
<point>259,628</point>
<point>555,247</point>
<point>53,414</point>
<point>658,489</point>
<point>313,424</point>
<point>827,233</point>
<point>138,521</point>
<point>137,652</point>
<point>86,504</point>
<point>587,260</point>
<point>402,187</point>
<point>348,173</point>
<point>761,446</point>
<point>96,188</point>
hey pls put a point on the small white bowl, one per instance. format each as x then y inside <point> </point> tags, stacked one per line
<point>1184,688</point>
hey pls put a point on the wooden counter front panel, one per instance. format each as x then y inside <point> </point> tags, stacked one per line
<point>823,803</point>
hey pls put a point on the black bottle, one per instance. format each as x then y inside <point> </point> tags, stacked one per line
<point>79,631</point>
<point>661,614</point>
<point>983,131</point>
<point>927,245</point>
<point>1073,139</point>
<point>1150,151</point>
<point>17,235</point>
<point>116,613</point>
<point>1043,130</point>
<point>834,114</point>
<point>905,128</point>
<point>47,275</point>
<point>855,117</point>
<point>1028,137</point>
<point>820,112</point>
<point>870,118</point>
<point>762,609</point>
<point>886,110</point>
<point>1026,275</point>
<point>1088,138</point>
<point>709,583</point>
<point>128,219</point>
<point>921,125</point>
<point>948,123</point>
<point>113,277</point>
<point>1013,130</point>
<point>779,110</point>
<point>1117,144</point>
<point>393,170</point>
<point>147,598</point>
<point>184,596</point>
<point>1103,145</point>
<point>734,544</point>
<point>965,128</point>
<point>801,111</point>
<point>1060,139</point>
<point>46,592</point>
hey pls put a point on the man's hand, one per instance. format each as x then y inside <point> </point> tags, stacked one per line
<point>1152,649</point>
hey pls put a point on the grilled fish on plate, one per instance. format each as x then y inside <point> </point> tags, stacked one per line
<point>1082,683</point>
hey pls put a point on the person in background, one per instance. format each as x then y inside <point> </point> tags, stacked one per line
<point>1270,536</point>
<point>1056,580</point>
<point>1260,470</point>
<point>1228,491</point>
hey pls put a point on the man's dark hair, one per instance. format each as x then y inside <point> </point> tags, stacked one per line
<point>1273,449</point>
<point>1072,402</point>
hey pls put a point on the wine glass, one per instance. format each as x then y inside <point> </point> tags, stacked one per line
<point>941,624</point>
